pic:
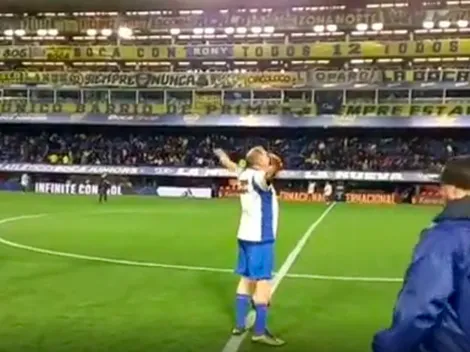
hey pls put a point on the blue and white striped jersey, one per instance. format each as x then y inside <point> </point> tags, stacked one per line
<point>260,208</point>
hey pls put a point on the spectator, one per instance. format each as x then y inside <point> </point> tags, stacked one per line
<point>304,152</point>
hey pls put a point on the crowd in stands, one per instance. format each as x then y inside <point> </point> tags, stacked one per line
<point>302,152</point>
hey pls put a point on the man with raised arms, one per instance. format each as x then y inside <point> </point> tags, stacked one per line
<point>256,239</point>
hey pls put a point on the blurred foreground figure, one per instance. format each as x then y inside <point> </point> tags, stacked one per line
<point>432,313</point>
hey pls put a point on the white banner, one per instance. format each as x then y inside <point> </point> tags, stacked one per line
<point>73,188</point>
<point>399,176</point>
<point>182,192</point>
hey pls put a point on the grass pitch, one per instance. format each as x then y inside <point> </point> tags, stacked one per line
<point>341,288</point>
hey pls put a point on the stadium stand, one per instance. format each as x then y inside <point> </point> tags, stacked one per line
<point>313,152</point>
<point>370,96</point>
<point>353,88</point>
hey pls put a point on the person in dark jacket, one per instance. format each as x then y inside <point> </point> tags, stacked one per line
<point>432,313</point>
<point>103,188</point>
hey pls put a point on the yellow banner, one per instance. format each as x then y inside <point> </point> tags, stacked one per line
<point>367,49</point>
<point>273,79</point>
<point>125,109</point>
<point>406,110</point>
<point>446,75</point>
<point>162,80</point>
<point>323,77</point>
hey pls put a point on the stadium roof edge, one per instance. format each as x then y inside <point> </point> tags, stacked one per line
<point>33,6</point>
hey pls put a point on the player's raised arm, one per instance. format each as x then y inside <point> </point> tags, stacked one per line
<point>225,160</point>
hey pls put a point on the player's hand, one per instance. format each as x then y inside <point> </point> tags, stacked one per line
<point>276,161</point>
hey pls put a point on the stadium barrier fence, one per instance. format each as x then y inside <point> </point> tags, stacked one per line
<point>339,175</point>
<point>118,190</point>
<point>304,197</point>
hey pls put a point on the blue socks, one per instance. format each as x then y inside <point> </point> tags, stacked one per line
<point>242,307</point>
<point>261,319</point>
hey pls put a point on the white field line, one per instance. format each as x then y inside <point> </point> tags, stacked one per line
<point>168,266</point>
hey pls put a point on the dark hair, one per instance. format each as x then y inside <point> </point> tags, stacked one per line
<point>457,172</point>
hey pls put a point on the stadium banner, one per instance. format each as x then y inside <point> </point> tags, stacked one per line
<point>351,17</point>
<point>279,18</point>
<point>304,197</point>
<point>167,80</point>
<point>73,188</point>
<point>184,192</point>
<point>319,50</point>
<point>318,78</point>
<point>246,114</point>
<point>301,197</point>
<point>404,176</point>
<point>282,19</point>
<point>371,198</point>
<point>302,118</point>
<point>429,75</point>
<point>427,200</point>
<point>127,111</point>
<point>236,114</point>
<point>405,110</point>
<point>271,80</point>
<point>223,80</point>
<point>77,24</point>
<point>306,20</point>
<point>453,15</point>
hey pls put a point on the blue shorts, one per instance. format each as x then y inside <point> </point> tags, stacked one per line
<point>255,260</point>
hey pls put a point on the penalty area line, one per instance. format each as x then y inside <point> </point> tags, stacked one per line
<point>96,258</point>
<point>345,278</point>
<point>43,251</point>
